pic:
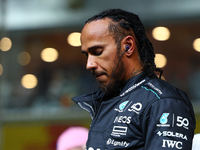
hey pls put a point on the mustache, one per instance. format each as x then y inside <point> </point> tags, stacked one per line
<point>98,73</point>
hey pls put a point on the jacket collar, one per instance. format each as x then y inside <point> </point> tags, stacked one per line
<point>134,82</point>
<point>130,85</point>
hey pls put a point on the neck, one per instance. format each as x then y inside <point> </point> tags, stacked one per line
<point>135,72</point>
<point>133,65</point>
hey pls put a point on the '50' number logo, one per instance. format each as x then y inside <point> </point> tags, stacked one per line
<point>182,122</point>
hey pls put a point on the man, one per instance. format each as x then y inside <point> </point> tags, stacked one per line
<point>133,109</point>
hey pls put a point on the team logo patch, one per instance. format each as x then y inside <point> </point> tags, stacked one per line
<point>122,106</point>
<point>164,120</point>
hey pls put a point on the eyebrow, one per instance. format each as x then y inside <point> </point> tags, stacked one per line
<point>92,48</point>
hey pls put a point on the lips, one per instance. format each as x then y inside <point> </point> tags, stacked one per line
<point>97,74</point>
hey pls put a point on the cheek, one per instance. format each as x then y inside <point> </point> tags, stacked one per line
<point>111,66</point>
<point>108,60</point>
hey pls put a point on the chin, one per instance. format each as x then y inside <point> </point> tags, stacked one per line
<point>102,83</point>
<point>103,86</point>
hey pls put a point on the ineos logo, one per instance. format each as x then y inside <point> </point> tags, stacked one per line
<point>123,119</point>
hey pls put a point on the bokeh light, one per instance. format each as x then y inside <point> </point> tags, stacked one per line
<point>49,54</point>
<point>29,81</point>
<point>5,44</point>
<point>24,58</point>
<point>161,33</point>
<point>74,39</point>
<point>196,44</point>
<point>1,69</point>
<point>160,60</point>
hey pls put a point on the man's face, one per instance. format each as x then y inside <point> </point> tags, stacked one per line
<point>102,53</point>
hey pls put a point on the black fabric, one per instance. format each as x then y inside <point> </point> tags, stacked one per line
<point>149,114</point>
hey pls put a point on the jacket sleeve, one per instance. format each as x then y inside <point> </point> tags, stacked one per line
<point>168,124</point>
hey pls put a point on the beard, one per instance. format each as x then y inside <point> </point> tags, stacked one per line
<point>113,88</point>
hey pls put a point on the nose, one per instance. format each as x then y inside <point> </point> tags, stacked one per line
<point>91,63</point>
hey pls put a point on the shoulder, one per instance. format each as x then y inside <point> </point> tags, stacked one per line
<point>157,89</point>
<point>163,98</point>
<point>158,94</point>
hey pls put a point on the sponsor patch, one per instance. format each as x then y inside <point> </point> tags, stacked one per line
<point>155,88</point>
<point>136,108</point>
<point>172,144</point>
<point>117,143</point>
<point>133,87</point>
<point>172,134</point>
<point>122,119</point>
<point>118,131</point>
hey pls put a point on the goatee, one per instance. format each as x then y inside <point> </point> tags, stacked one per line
<point>116,82</point>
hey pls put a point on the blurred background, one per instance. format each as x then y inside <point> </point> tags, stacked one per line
<point>42,67</point>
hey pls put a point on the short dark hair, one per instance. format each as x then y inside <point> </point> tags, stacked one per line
<point>123,24</point>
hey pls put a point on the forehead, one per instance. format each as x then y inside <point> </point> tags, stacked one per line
<point>95,31</point>
<point>96,27</point>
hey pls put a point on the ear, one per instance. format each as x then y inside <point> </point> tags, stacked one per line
<point>130,42</point>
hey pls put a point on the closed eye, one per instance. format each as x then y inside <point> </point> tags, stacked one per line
<point>96,50</point>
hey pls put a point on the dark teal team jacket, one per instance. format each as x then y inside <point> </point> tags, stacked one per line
<point>148,114</point>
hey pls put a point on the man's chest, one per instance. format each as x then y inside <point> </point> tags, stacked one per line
<point>116,126</point>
